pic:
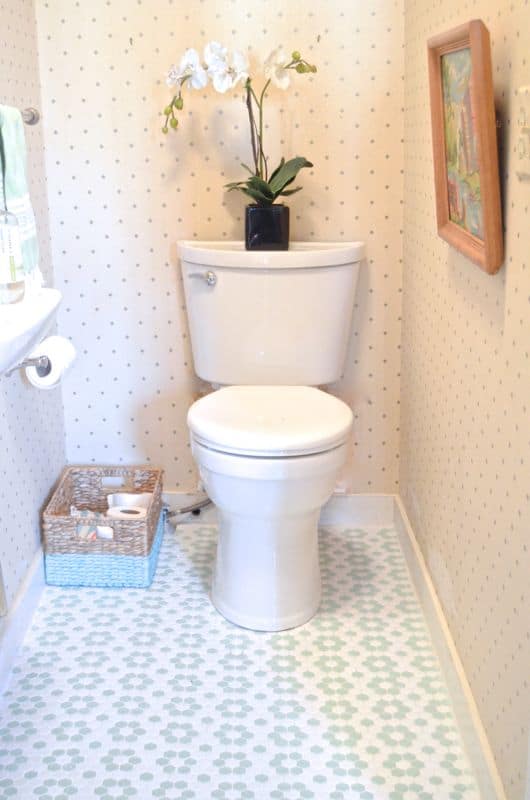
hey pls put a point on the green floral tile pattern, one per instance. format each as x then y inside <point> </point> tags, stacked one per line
<point>122,694</point>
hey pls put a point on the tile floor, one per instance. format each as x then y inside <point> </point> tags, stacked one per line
<point>151,694</point>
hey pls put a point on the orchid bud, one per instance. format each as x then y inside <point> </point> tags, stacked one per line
<point>295,55</point>
<point>173,122</point>
<point>167,111</point>
<point>179,103</point>
<point>165,129</point>
<point>301,68</point>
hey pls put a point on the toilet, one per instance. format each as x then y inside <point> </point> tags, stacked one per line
<point>267,328</point>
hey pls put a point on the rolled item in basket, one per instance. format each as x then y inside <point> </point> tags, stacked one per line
<point>130,499</point>
<point>127,512</point>
<point>87,532</point>
<point>86,512</point>
<point>90,533</point>
<point>104,532</point>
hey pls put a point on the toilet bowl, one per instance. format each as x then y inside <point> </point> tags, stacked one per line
<point>269,457</point>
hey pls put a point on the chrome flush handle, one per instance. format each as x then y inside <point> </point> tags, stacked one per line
<point>209,277</point>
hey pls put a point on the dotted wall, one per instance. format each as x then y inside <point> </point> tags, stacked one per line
<point>465,445</point>
<point>31,422</point>
<point>122,195</point>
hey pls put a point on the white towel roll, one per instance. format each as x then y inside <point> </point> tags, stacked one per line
<point>127,512</point>
<point>129,499</point>
<point>61,353</point>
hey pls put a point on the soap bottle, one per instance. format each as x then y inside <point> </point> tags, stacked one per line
<point>12,279</point>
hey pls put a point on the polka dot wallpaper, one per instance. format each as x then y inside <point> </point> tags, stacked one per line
<point>465,446</point>
<point>122,195</point>
<point>31,423</point>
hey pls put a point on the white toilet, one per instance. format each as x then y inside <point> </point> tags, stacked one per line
<point>268,327</point>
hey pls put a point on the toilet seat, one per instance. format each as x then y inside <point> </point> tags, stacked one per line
<point>270,421</point>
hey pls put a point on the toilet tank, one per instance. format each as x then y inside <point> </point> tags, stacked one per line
<point>270,317</point>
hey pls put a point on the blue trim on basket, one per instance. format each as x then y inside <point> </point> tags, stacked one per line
<point>99,569</point>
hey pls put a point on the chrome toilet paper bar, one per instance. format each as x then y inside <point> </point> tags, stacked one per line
<point>41,363</point>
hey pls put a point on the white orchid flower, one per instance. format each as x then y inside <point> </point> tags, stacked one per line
<point>274,68</point>
<point>214,54</point>
<point>190,67</point>
<point>172,76</point>
<point>225,72</point>
<point>239,67</point>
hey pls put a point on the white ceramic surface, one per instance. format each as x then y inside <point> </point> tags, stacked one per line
<point>267,574</point>
<point>270,420</point>
<point>269,451</point>
<point>280,317</point>
<point>301,255</point>
<point>22,325</point>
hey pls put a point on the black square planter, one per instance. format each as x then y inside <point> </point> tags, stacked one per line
<point>267,227</point>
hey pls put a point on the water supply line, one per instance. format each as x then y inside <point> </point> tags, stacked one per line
<point>193,508</point>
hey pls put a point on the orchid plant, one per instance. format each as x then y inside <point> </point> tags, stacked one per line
<point>226,71</point>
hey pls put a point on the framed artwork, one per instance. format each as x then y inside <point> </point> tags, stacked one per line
<point>464,133</point>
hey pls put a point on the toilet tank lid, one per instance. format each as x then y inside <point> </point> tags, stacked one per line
<point>299,255</point>
<point>270,421</point>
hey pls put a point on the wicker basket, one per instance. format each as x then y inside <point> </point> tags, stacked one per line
<point>129,558</point>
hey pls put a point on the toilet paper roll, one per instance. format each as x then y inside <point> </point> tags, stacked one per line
<point>129,499</point>
<point>61,353</point>
<point>127,512</point>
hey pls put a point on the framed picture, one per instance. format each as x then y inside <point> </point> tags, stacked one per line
<point>464,133</point>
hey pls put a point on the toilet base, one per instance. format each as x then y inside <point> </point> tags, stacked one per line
<point>269,625</point>
<point>267,574</point>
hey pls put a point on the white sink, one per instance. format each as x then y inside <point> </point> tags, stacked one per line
<point>24,324</point>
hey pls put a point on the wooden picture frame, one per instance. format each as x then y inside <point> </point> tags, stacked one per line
<point>464,134</point>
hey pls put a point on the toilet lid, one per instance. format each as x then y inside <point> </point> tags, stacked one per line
<point>270,420</point>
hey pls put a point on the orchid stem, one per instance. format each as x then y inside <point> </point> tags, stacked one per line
<point>252,122</point>
<point>261,167</point>
<point>262,159</point>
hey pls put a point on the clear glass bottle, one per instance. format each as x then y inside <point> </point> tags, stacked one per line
<point>12,282</point>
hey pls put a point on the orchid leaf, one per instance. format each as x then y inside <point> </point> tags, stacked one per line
<point>287,192</point>
<point>265,192</point>
<point>278,168</point>
<point>289,181</point>
<point>235,185</point>
<point>255,182</point>
<point>287,172</point>
<point>256,195</point>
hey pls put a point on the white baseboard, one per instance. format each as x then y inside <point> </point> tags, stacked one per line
<point>359,510</point>
<point>464,706</point>
<point>14,625</point>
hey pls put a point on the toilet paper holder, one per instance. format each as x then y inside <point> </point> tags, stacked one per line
<point>41,363</point>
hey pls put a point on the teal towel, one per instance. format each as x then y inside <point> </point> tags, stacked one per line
<point>14,193</point>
